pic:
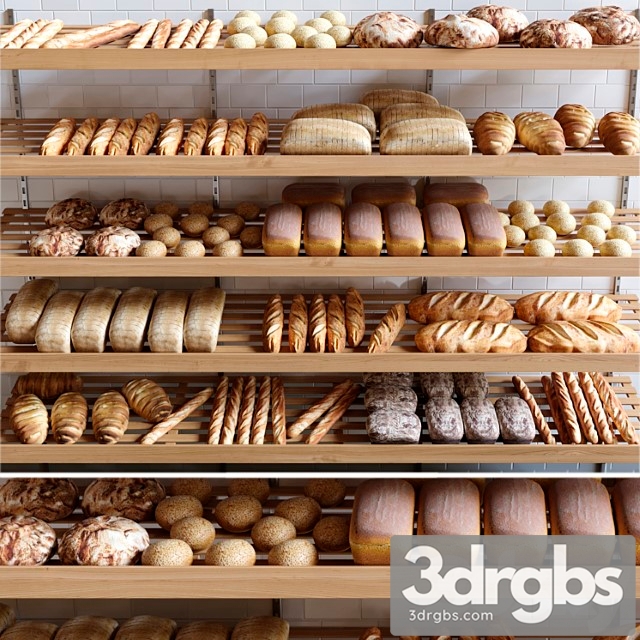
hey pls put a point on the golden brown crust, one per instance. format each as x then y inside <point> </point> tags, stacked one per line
<point>161,34</point>
<point>211,35</point>
<point>58,138</point>
<point>298,324</point>
<point>145,134</point>
<point>218,410</point>
<point>388,329</point>
<point>110,417</point>
<point>235,142</point>
<point>541,424</point>
<point>565,405</point>
<point>556,414</point>
<point>246,411</point>
<point>257,134</point>
<point>69,418</point>
<point>261,413</point>
<point>148,399</point>
<point>336,327</point>
<point>619,132</point>
<point>142,38</point>
<point>581,408</point>
<point>494,133</point>
<point>179,34</point>
<point>578,124</point>
<point>194,142</point>
<point>119,144</point>
<point>29,419</point>
<point>273,324</point>
<point>596,407</point>
<point>334,414</point>
<point>102,137</point>
<point>540,133</point>
<point>278,411</point>
<point>214,145</point>
<point>354,317</point>
<point>317,324</point>
<point>234,402</point>
<point>170,138</point>
<point>614,409</point>
<point>195,34</point>
<point>82,137</point>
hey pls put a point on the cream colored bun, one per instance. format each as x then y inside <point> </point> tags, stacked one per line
<point>198,533</point>
<point>320,41</point>
<point>619,248</point>
<point>578,248</point>
<point>622,232</point>
<point>342,35</point>
<point>257,488</point>
<point>542,232</point>
<point>601,220</point>
<point>280,25</point>
<point>601,206</point>
<point>194,224</point>
<point>283,13</point>
<point>247,13</point>
<point>280,41</point>
<point>301,33</point>
<point>504,218</point>
<point>240,41</point>
<point>215,235</point>
<point>238,24</point>
<point>555,206</point>
<point>595,236</point>
<point>152,249</point>
<point>525,221</point>
<point>271,531</point>
<point>515,235</point>
<point>174,508</point>
<point>562,223</point>
<point>157,221</point>
<point>327,492</point>
<point>539,248</point>
<point>169,236</point>
<point>294,553</point>
<point>168,553</point>
<point>321,25</point>
<point>520,206</point>
<point>199,488</point>
<point>190,249</point>
<point>231,553</point>
<point>238,513</point>
<point>228,249</point>
<point>336,18</point>
<point>257,33</point>
<point>302,511</point>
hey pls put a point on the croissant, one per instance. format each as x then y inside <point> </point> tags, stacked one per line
<point>494,133</point>
<point>110,417</point>
<point>540,133</point>
<point>148,399</point>
<point>47,385</point>
<point>578,124</point>
<point>69,418</point>
<point>29,419</point>
<point>620,133</point>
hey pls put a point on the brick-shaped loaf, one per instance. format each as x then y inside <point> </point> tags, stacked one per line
<point>426,136</point>
<point>381,509</point>
<point>444,420</point>
<point>515,419</point>
<point>479,420</point>
<point>363,230</point>
<point>306,193</point>
<point>383,194</point>
<point>457,194</point>
<point>388,426</point>
<point>626,505</point>
<point>443,229</point>
<point>403,230</point>
<point>514,506</point>
<point>483,229</point>
<point>449,506</point>
<point>323,230</point>
<point>282,230</point>
<point>580,507</point>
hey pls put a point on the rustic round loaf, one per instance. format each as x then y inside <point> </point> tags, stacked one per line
<point>560,34</point>
<point>131,498</point>
<point>112,242</point>
<point>47,499</point>
<point>508,22</point>
<point>608,25</point>
<point>127,212</point>
<point>74,212</point>
<point>461,32</point>
<point>25,541</point>
<point>386,29</point>
<point>56,241</point>
<point>103,541</point>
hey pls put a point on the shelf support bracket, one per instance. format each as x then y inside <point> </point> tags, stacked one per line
<point>213,86</point>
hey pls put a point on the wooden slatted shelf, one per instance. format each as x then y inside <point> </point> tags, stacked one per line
<point>20,141</point>
<point>117,56</point>
<point>347,443</point>
<point>17,226</point>
<point>240,349</point>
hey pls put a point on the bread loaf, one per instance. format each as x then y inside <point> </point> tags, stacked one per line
<point>390,397</point>
<point>580,507</point>
<point>444,420</point>
<point>48,499</point>
<point>110,417</point>
<point>470,336</point>
<point>426,136</point>
<point>578,124</point>
<point>386,29</point>
<point>470,384</point>
<point>317,324</point>
<point>304,194</point>
<point>514,506</point>
<point>461,32</point>
<point>540,133</point>
<point>416,111</point>
<point>614,409</point>
<point>282,230</point>
<point>448,507</point>
<point>403,231</point>
<point>148,399</point>
<point>507,21</point>
<point>550,306</point>
<point>273,324</point>
<point>608,25</point>
<point>235,142</point>
<point>336,325</point>
<point>53,334</point>
<point>323,230</point>
<point>26,310</point>
<point>388,329</point>
<point>362,230</point>
<point>354,317</point>
<point>382,194</point>
<point>484,231</point>
<point>381,509</point>
<point>69,418</point>
<point>443,230</point>
<point>379,99</point>
<point>515,420</point>
<point>626,507</point>
<point>390,426</point>
<point>257,135</point>
<point>166,328</point>
<point>459,305</point>
<point>89,329</point>
<point>457,194</point>
<point>596,407</point>
<point>203,319</point>
<point>561,34</point>
<point>203,630</point>
<point>7,617</point>
<point>262,628</point>
<point>358,113</point>
<point>55,143</point>
<point>25,541</point>
<point>583,336</point>
<point>47,386</point>
<point>480,420</point>
<point>436,384</point>
<point>619,132</point>
<point>128,325</point>
<point>298,324</point>
<point>147,628</point>
<point>87,628</point>
<point>324,136</point>
<point>494,133</point>
<point>28,630</point>
<point>132,498</point>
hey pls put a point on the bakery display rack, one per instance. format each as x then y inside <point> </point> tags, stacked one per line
<point>346,443</point>
<point>19,225</point>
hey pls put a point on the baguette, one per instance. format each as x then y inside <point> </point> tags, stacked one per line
<point>459,305</point>
<point>203,319</point>
<point>494,133</point>
<point>232,412</point>
<point>540,133</point>
<point>578,124</point>
<point>235,142</point>
<point>298,324</point>
<point>261,413</point>
<point>119,144</point>
<point>102,137</point>
<point>94,37</point>
<point>358,113</point>
<point>550,306</point>
<point>583,336</point>
<point>336,327</point>
<point>538,418</point>
<point>388,329</point>
<point>246,411</point>
<point>11,34</point>
<point>58,138</point>
<point>614,409</point>
<point>334,414</point>
<point>110,417</point>
<point>257,135</point>
<point>211,35</point>
<point>216,137</point>
<point>161,34</point>
<point>49,31</point>
<point>27,308</point>
<point>581,408</point>
<point>142,38</point>
<point>565,405</point>
<point>129,322</point>
<point>197,136</point>
<point>53,334</point>
<point>69,418</point>
<point>278,411</point>
<point>89,330</point>
<point>179,34</point>
<point>426,136</point>
<point>273,324</point>
<point>170,138</point>
<point>82,137</point>
<point>354,317</point>
<point>148,399</point>
<point>195,34</point>
<point>317,324</point>
<point>217,411</point>
<point>596,407</point>
<point>324,136</point>
<point>556,414</point>
<point>166,328</point>
<point>145,134</point>
<point>28,34</point>
<point>29,419</point>
<point>470,336</point>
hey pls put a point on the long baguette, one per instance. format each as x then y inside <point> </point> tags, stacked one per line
<point>614,409</point>
<point>145,134</point>
<point>142,38</point>
<point>94,37</point>
<point>211,35</point>
<point>273,324</point>
<point>596,407</point>
<point>162,428</point>
<point>179,34</point>
<point>541,424</point>
<point>218,411</point>
<point>317,324</point>
<point>278,412</point>
<point>581,408</point>
<point>50,30</point>
<point>161,34</point>
<point>565,405</point>
<point>243,432</point>
<point>28,34</point>
<point>195,34</point>
<point>339,409</point>
<point>261,413</point>
<point>11,34</point>
<point>234,402</point>
<point>556,414</point>
<point>388,329</point>
<point>336,325</point>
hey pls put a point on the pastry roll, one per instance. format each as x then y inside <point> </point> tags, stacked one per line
<point>57,139</point>
<point>170,138</point>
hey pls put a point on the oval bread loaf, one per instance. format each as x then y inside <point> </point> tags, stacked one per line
<point>378,99</point>
<point>324,136</point>
<point>261,628</point>
<point>494,133</point>
<point>30,630</point>
<point>354,112</point>
<point>459,305</point>
<point>416,111</point>
<point>27,308</point>
<point>550,306</point>
<point>87,628</point>
<point>426,136</point>
<point>583,336</point>
<point>203,630</point>
<point>470,336</point>
<point>147,628</point>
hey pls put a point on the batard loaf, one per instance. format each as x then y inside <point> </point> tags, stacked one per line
<point>449,507</point>
<point>323,230</point>
<point>620,133</point>
<point>550,306</point>
<point>583,336</point>
<point>457,194</point>
<point>483,229</point>
<point>403,230</point>
<point>608,25</point>
<point>443,230</point>
<point>324,136</point>
<point>363,230</point>
<point>416,111</point>
<point>459,305</point>
<point>514,506</point>
<point>470,336</point>
<point>379,99</point>
<point>626,505</point>
<point>426,136</point>
<point>578,124</point>
<point>87,628</point>
<point>282,230</point>
<point>507,21</point>
<point>561,34</point>
<point>261,628</point>
<point>382,194</point>
<point>540,133</point>
<point>494,133</point>
<point>304,194</point>
<point>381,509</point>
<point>580,507</point>
<point>358,113</point>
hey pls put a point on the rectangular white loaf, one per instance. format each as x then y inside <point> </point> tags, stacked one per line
<point>363,230</point>
<point>483,229</point>
<point>457,194</point>
<point>449,506</point>
<point>323,230</point>
<point>324,136</point>
<point>403,231</point>
<point>282,230</point>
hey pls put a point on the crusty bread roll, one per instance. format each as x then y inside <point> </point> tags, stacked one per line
<point>540,133</point>
<point>626,505</point>
<point>580,507</point>
<point>494,133</point>
<point>514,506</point>
<point>578,124</point>
<point>459,305</point>
<point>619,132</point>
<point>550,306</point>
<point>449,506</point>
<point>443,230</point>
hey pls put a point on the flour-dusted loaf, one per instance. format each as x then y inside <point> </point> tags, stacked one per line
<point>483,229</point>
<point>87,628</point>
<point>389,426</point>
<point>282,230</point>
<point>449,506</point>
<point>580,507</point>
<point>390,396</point>
<point>480,420</point>
<point>562,34</point>
<point>25,541</point>
<point>261,628</point>
<point>147,628</point>
<point>304,194</point>
<point>382,194</point>
<point>583,336</point>
<point>386,29</point>
<point>60,241</point>
<point>125,212</point>
<point>443,230</point>
<point>444,420</point>
<point>470,336</point>
<point>355,112</point>
<point>103,541</point>
<point>7,617</point>
<point>515,419</point>
<point>461,32</point>
<point>457,194</point>
<point>403,231</point>
<point>392,378</point>
<point>459,305</point>
<point>514,506</point>
<point>47,499</point>
<point>508,22</point>
<point>133,498</point>
<point>74,212</point>
<point>381,509</point>
<point>626,506</point>
<point>470,384</point>
<point>426,136</point>
<point>363,230</point>
<point>324,136</point>
<point>550,306</point>
<point>323,230</point>
<point>608,25</point>
<point>437,384</point>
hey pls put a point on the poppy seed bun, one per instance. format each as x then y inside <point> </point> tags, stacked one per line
<point>303,512</point>
<point>294,553</point>
<point>231,553</point>
<point>174,508</point>
<point>257,488</point>
<point>167,553</point>
<point>271,531</point>
<point>327,492</point>
<point>332,533</point>
<point>238,513</point>
<point>196,487</point>
<point>198,533</point>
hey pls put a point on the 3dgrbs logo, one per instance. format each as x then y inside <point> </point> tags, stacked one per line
<point>512,585</point>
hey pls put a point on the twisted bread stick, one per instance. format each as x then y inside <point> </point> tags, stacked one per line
<point>246,411</point>
<point>581,408</point>
<point>556,414</point>
<point>538,418</point>
<point>217,411</point>
<point>614,409</point>
<point>334,414</point>
<point>278,412</point>
<point>234,401</point>
<point>598,412</point>
<point>566,407</point>
<point>261,414</point>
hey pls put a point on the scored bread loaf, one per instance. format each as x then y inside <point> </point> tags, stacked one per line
<point>171,138</point>
<point>483,229</point>
<point>549,306</point>
<point>388,329</point>
<point>470,336</point>
<point>304,194</point>
<point>89,329</point>
<point>26,310</point>
<point>426,136</point>
<point>147,628</point>
<point>324,136</point>
<point>128,325</point>
<point>580,507</point>
<point>28,419</point>
<point>323,230</point>
<point>626,507</point>
<point>363,230</point>
<point>58,138</point>
<point>203,319</point>
<point>298,324</point>
<point>69,418</point>
<point>87,628</point>
<point>282,230</point>
<point>354,112</point>
<point>416,111</point>
<point>273,324</point>
<point>619,132</point>
<point>336,325</point>
<point>30,630</point>
<point>403,231</point>
<point>382,194</point>
<point>540,133</point>
<point>381,509</point>
<point>47,386</point>
<point>317,324</point>
<point>449,507</point>
<point>457,194</point>
<point>459,305</point>
<point>379,99</point>
<point>494,133</point>
<point>148,399</point>
<point>443,230</point>
<point>235,142</point>
<point>514,506</point>
<point>53,334</point>
<point>578,124</point>
<point>166,328</point>
<point>583,336</point>
<point>261,628</point>
<point>203,630</point>
<point>257,134</point>
<point>354,317</point>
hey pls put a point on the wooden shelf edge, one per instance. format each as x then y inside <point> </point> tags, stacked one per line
<point>127,454</point>
<point>262,266</point>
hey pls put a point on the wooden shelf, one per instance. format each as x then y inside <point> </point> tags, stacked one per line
<point>347,443</point>
<point>20,141</point>
<point>17,226</point>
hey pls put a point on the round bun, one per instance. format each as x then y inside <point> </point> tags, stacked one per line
<point>619,248</point>
<point>540,248</point>
<point>215,235</point>
<point>562,223</point>
<point>515,235</point>
<point>257,488</point>
<point>233,223</point>
<point>504,218</point>
<point>231,553</point>
<point>199,488</point>
<point>190,249</point>
<point>152,249</point>
<point>174,508</point>
<point>622,232</point>
<point>320,41</point>
<point>283,13</point>
<point>251,238</point>
<point>542,232</point>
<point>301,33</point>
<point>169,208</point>
<point>25,541</point>
<point>520,206</point>
<point>228,249</point>
<point>240,23</point>
<point>257,33</point>
<point>240,41</point>
<point>579,248</point>
<point>342,35</point>
<point>248,210</point>
<point>238,513</point>
<point>332,534</point>
<point>601,220</point>
<point>157,221</point>
<point>336,18</point>
<point>205,208</point>
<point>198,533</point>
<point>525,221</point>
<point>247,13</point>
<point>194,224</point>
<point>327,492</point>
<point>280,41</point>
<point>321,25</point>
<point>169,236</point>
<point>595,236</point>
<point>280,24</point>
<point>271,531</point>
<point>555,206</point>
<point>601,206</point>
<point>294,553</point>
<point>304,512</point>
<point>168,553</point>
